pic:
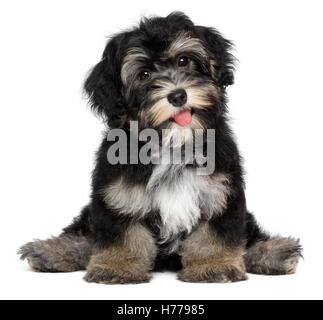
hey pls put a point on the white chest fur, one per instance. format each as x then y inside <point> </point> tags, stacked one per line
<point>179,195</point>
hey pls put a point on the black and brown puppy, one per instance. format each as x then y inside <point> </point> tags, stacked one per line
<point>152,217</point>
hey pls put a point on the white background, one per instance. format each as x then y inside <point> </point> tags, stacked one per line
<point>49,136</point>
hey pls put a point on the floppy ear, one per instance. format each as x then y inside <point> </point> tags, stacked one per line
<point>221,60</point>
<point>103,86</point>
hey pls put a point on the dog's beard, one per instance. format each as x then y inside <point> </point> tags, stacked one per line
<point>158,113</point>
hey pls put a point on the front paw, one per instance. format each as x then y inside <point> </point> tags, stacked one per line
<point>105,275</point>
<point>209,273</point>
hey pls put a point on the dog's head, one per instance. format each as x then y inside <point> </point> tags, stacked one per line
<point>167,72</point>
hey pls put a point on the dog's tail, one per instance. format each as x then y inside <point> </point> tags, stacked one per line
<point>270,255</point>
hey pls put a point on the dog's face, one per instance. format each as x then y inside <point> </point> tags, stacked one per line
<point>166,73</point>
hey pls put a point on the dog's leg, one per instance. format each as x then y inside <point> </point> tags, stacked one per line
<point>65,253</point>
<point>270,255</point>
<point>130,260</point>
<point>275,256</point>
<point>206,258</point>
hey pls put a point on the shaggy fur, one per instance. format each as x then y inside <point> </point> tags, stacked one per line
<point>128,261</point>
<point>145,216</point>
<point>274,257</point>
<point>60,254</point>
<point>206,258</point>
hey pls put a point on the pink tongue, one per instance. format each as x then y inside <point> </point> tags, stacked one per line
<point>183,118</point>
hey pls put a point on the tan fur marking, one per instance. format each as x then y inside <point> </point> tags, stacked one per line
<point>213,68</point>
<point>205,258</point>
<point>124,118</point>
<point>125,198</point>
<point>198,97</point>
<point>160,112</point>
<point>292,270</point>
<point>32,266</point>
<point>131,63</point>
<point>129,261</point>
<point>184,42</point>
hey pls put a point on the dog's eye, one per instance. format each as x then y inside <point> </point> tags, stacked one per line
<point>183,61</point>
<point>144,75</point>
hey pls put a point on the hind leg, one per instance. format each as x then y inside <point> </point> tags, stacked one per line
<point>276,256</point>
<point>65,253</point>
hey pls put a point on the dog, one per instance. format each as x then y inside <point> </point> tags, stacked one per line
<point>165,74</point>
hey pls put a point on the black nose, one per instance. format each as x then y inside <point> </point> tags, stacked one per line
<point>177,98</point>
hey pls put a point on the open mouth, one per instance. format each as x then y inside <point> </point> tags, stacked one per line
<point>184,117</point>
